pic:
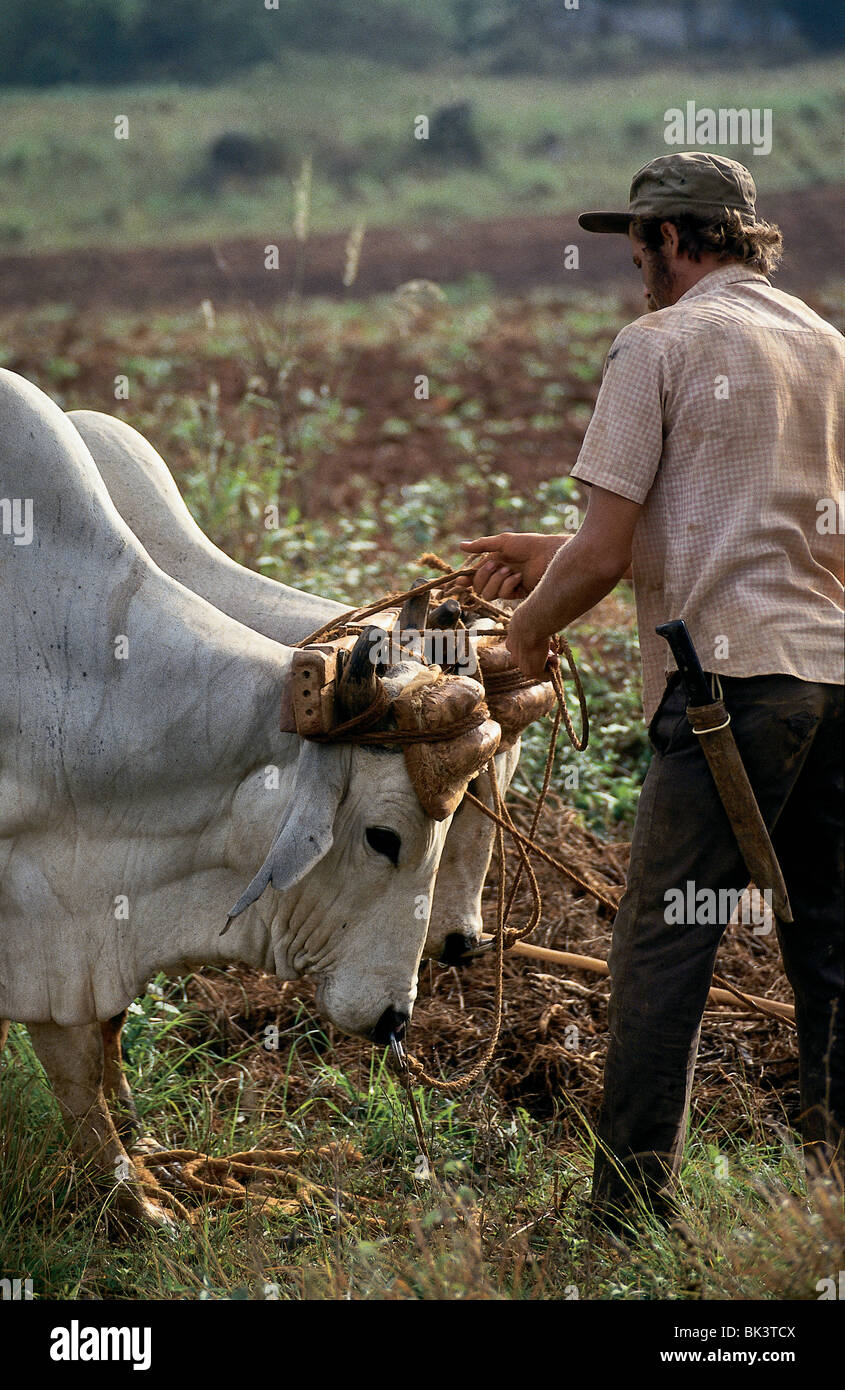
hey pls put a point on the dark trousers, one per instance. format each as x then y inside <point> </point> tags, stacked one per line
<point>790,736</point>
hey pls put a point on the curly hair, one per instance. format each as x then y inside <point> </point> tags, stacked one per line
<point>730,237</point>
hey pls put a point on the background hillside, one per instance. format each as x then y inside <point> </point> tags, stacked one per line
<point>216,161</point>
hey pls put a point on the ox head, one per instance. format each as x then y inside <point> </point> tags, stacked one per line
<point>356,853</point>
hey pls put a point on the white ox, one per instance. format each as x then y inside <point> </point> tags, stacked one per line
<point>146,495</point>
<point>138,722</point>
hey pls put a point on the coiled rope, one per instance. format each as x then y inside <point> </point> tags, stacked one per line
<point>227,1180</point>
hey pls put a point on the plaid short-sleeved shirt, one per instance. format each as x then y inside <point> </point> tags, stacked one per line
<point>723,416</point>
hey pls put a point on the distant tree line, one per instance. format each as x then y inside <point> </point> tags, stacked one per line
<point>112,41</point>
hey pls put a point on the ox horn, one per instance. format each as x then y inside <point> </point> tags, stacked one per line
<point>446,618</point>
<point>446,615</point>
<point>414,612</point>
<point>359,683</point>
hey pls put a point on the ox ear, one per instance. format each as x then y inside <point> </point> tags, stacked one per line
<point>306,830</point>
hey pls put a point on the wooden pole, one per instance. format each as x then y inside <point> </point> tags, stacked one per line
<point>600,967</point>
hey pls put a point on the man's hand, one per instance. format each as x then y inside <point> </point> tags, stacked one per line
<point>527,643</point>
<point>516,562</point>
<point>562,576</point>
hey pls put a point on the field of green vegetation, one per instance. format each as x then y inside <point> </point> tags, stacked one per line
<point>537,145</point>
<point>501,1216</point>
<point>252,411</point>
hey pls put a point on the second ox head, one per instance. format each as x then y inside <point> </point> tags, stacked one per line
<point>456,922</point>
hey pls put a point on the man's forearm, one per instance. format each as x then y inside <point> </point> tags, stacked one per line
<point>577,578</point>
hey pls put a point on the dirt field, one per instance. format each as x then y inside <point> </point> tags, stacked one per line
<point>515,253</point>
<point>740,1051</point>
<point>373,380</point>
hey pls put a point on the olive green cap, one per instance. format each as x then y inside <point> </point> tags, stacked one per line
<point>691,181</point>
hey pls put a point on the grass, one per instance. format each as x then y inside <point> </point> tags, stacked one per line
<point>501,1217</point>
<point>66,181</point>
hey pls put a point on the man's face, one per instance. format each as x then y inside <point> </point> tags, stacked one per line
<point>657,269</point>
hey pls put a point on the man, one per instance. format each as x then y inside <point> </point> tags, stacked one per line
<point>714,460</point>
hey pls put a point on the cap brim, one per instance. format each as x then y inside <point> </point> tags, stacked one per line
<point>605,221</point>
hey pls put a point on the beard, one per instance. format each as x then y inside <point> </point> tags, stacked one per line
<point>661,286</point>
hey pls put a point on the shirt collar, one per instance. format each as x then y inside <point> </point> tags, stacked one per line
<point>717,279</point>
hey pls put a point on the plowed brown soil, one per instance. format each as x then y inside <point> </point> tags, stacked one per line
<point>515,252</point>
<point>541,1064</point>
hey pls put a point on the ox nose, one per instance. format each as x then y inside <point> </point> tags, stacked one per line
<point>456,947</point>
<point>391,1024</point>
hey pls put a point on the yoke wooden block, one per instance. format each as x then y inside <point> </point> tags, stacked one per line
<point>313,685</point>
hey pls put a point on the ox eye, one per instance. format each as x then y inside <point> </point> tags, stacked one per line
<point>385,842</point>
